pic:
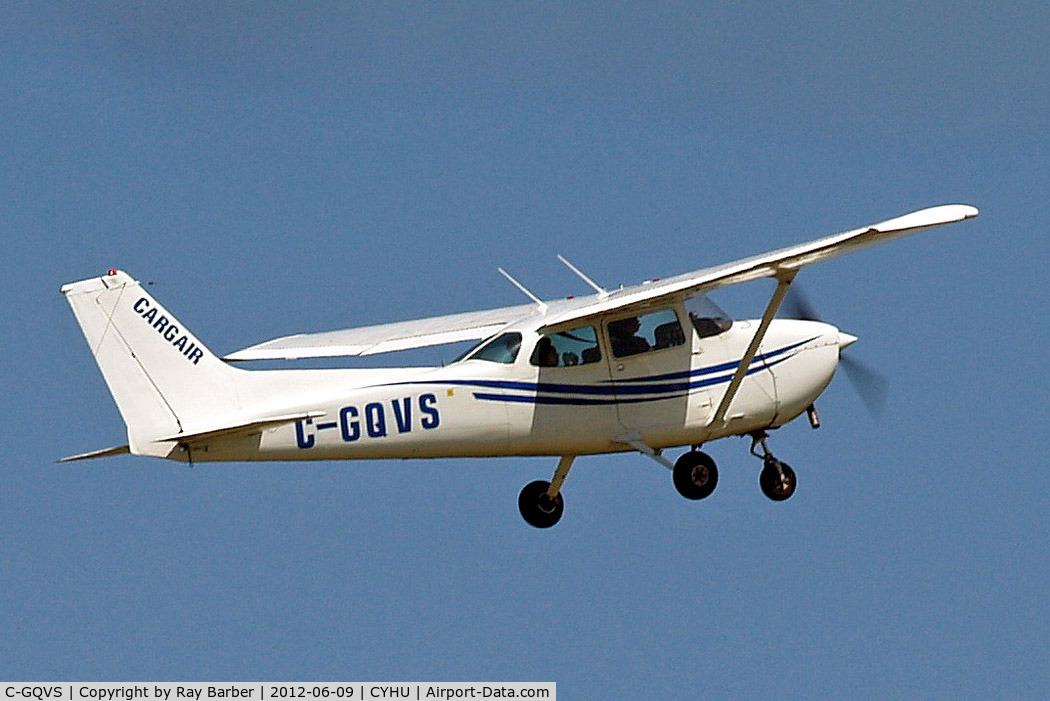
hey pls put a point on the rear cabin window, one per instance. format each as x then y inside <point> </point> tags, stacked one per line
<point>567,348</point>
<point>645,333</point>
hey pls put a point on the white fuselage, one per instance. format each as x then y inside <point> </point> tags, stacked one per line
<point>481,408</point>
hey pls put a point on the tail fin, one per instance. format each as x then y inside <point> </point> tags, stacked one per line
<point>161,377</point>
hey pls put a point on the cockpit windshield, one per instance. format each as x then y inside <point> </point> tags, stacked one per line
<point>501,349</point>
<point>707,317</point>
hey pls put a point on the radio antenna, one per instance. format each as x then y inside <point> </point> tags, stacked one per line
<point>595,286</point>
<point>525,290</point>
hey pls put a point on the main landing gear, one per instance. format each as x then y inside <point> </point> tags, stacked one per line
<point>695,475</point>
<point>537,507</point>
<point>540,502</point>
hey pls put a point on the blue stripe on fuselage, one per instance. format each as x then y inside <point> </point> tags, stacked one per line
<point>619,390</point>
<point>670,392</point>
<point>716,368</point>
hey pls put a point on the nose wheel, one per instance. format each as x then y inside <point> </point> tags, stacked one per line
<point>777,479</point>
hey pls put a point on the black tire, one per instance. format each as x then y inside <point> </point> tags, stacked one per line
<point>771,483</point>
<point>695,475</point>
<point>537,508</point>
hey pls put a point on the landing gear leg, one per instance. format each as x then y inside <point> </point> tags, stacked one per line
<point>777,479</point>
<point>540,502</point>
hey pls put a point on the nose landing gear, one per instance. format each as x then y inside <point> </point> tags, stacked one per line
<point>777,479</point>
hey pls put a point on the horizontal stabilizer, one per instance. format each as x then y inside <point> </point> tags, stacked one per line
<point>104,453</point>
<point>241,427</point>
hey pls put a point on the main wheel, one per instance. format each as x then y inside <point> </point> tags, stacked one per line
<point>776,484</point>
<point>537,508</point>
<point>695,475</point>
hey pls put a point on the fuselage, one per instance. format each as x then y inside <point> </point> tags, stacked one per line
<point>584,402</point>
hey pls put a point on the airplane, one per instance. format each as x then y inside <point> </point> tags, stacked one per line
<point>641,368</point>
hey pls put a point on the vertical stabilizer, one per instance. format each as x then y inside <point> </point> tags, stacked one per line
<point>160,375</point>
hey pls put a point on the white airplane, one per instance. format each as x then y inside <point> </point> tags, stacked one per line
<point>641,368</point>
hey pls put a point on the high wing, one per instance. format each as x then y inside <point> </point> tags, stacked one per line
<point>386,338</point>
<point>775,263</point>
<point>469,326</point>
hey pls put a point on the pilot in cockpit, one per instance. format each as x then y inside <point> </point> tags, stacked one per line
<point>623,334</point>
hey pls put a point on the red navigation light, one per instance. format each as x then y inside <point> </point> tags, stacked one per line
<point>112,271</point>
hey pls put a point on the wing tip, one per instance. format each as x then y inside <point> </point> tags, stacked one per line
<point>923,218</point>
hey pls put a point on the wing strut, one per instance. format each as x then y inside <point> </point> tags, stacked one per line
<point>784,279</point>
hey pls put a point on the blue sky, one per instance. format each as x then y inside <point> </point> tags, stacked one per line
<point>277,168</point>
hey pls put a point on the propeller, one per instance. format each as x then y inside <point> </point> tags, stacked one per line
<point>869,384</point>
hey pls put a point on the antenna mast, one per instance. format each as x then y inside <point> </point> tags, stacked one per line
<point>525,290</point>
<point>595,286</point>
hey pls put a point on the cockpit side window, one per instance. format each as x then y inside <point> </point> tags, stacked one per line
<point>644,333</point>
<point>502,349</point>
<point>706,316</point>
<point>567,348</point>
